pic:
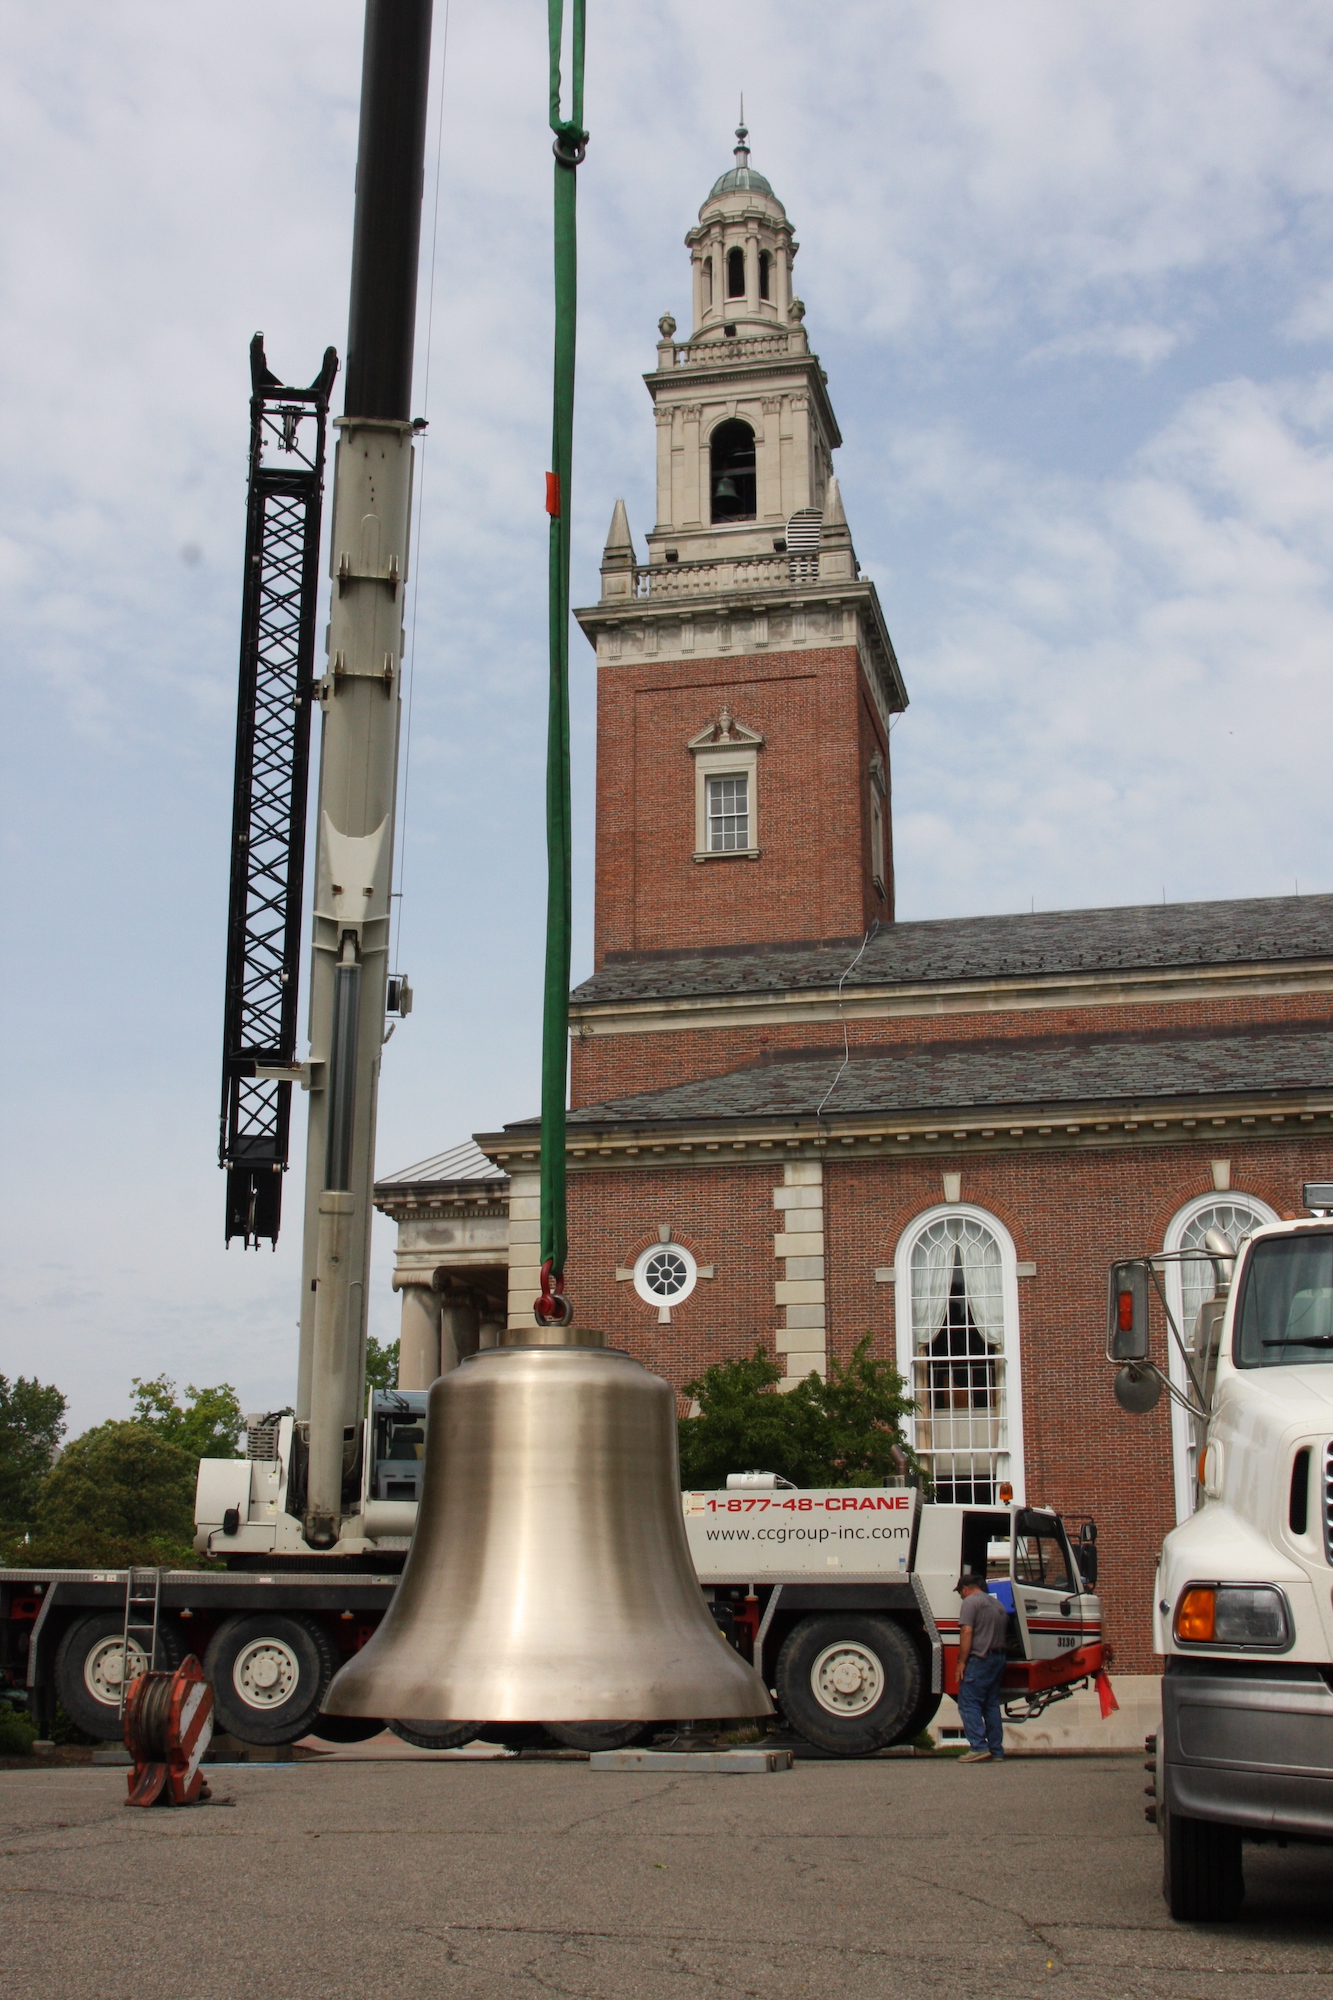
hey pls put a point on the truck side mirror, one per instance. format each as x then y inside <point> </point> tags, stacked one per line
<point>1127,1313</point>
<point>1087,1563</point>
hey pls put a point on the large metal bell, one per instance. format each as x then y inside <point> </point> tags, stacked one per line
<point>549,1579</point>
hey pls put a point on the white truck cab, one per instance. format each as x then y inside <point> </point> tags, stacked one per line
<point>1243,1612</point>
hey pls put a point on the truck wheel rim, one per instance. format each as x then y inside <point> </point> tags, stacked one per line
<point>847,1679</point>
<point>266,1673</point>
<point>104,1668</point>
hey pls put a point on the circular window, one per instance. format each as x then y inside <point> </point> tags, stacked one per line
<point>665,1274</point>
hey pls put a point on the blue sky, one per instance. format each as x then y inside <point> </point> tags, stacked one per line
<point>1069,271</point>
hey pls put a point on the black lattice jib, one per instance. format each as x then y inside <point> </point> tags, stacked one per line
<point>287,429</point>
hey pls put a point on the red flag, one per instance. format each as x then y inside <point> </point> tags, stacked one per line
<point>1105,1693</point>
<point>553,494</point>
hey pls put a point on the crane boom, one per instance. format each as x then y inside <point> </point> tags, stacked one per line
<point>282,532</point>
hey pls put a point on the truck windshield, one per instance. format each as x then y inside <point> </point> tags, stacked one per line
<point>1286,1308</point>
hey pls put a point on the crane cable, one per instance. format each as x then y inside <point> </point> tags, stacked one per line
<point>571,143</point>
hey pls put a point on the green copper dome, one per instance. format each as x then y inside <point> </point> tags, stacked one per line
<point>742,178</point>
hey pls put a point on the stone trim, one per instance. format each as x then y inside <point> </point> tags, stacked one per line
<point>981,996</point>
<point>1071,1128</point>
<point>799,1292</point>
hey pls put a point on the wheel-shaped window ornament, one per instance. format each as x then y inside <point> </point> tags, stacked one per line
<point>665,1274</point>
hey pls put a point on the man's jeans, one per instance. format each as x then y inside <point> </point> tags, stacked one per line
<point>979,1701</point>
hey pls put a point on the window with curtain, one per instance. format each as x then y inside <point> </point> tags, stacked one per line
<point>958,1359</point>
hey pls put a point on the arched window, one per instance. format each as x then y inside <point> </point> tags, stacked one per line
<point>765,266</point>
<point>731,472</point>
<point>1188,1286</point>
<point>736,274</point>
<point>957,1314</point>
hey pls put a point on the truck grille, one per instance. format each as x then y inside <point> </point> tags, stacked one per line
<point>1328,1501</point>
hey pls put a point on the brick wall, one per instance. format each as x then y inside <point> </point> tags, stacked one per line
<point>1069,1213</point>
<point>812,878</point>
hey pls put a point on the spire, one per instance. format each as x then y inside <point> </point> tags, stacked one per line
<point>618,538</point>
<point>618,556</point>
<point>742,134</point>
<point>837,557</point>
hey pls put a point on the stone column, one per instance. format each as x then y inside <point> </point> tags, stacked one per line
<point>459,1323</point>
<point>782,275</point>
<point>697,276</point>
<point>752,273</point>
<point>419,1337</point>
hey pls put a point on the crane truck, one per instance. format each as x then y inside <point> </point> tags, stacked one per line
<point>1242,1610</point>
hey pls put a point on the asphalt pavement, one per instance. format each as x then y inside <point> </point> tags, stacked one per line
<point>501,1879</point>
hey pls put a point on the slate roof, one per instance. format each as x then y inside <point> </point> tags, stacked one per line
<point>1014,1075</point>
<point>461,1163</point>
<point>1259,930</point>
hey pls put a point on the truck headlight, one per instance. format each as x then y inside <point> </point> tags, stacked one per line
<point>1232,1614</point>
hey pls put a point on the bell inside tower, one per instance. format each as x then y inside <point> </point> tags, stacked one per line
<point>732,469</point>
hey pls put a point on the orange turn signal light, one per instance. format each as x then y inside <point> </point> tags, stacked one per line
<point>1195,1614</point>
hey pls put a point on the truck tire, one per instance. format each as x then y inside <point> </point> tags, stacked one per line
<point>600,1735</point>
<point>89,1665</point>
<point>1203,1876</point>
<point>849,1683</point>
<point>347,1728</point>
<point>270,1673</point>
<point>921,1717</point>
<point>437,1735</point>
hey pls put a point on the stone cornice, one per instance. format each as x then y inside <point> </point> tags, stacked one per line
<point>858,593</point>
<point>1174,986</point>
<point>759,368</point>
<point>407,1201</point>
<point>1204,1121</point>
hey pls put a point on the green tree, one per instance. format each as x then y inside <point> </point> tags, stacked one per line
<point>381,1364</point>
<point>121,1493</point>
<point>32,1423</point>
<point>208,1426</point>
<point>846,1431</point>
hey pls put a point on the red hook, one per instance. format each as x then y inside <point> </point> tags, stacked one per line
<point>552,1308</point>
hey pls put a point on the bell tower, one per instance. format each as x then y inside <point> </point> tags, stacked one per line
<point>746,678</point>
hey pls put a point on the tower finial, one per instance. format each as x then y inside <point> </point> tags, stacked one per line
<point>742,134</point>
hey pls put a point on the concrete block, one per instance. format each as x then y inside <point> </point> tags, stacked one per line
<point>809,1318</point>
<point>525,1232</point>
<point>800,1339</point>
<point>799,1292</point>
<point>524,1207</point>
<point>802,1243</point>
<point>803,1173</point>
<point>694,1763</point>
<point>804,1268</point>
<point>799,1197</point>
<point>802,1363</point>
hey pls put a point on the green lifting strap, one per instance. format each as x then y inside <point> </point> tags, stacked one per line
<point>570,145</point>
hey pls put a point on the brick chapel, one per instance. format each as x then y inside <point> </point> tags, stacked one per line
<point>795,1120</point>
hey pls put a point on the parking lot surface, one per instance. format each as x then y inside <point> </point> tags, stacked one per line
<point>486,1880</point>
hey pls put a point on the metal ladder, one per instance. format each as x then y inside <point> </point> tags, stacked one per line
<point>143,1591</point>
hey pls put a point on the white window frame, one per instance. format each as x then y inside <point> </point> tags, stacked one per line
<point>1183,1450</point>
<point>1010,1350</point>
<point>879,793</point>
<point>663,1306</point>
<point>726,759</point>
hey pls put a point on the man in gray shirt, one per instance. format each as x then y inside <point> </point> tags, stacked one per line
<point>981,1662</point>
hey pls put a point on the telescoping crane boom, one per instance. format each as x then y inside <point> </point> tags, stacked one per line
<point>359,696</point>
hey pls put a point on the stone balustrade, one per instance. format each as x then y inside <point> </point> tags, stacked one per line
<point>700,579</point>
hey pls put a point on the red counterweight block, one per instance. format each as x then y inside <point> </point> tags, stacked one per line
<point>168,1727</point>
